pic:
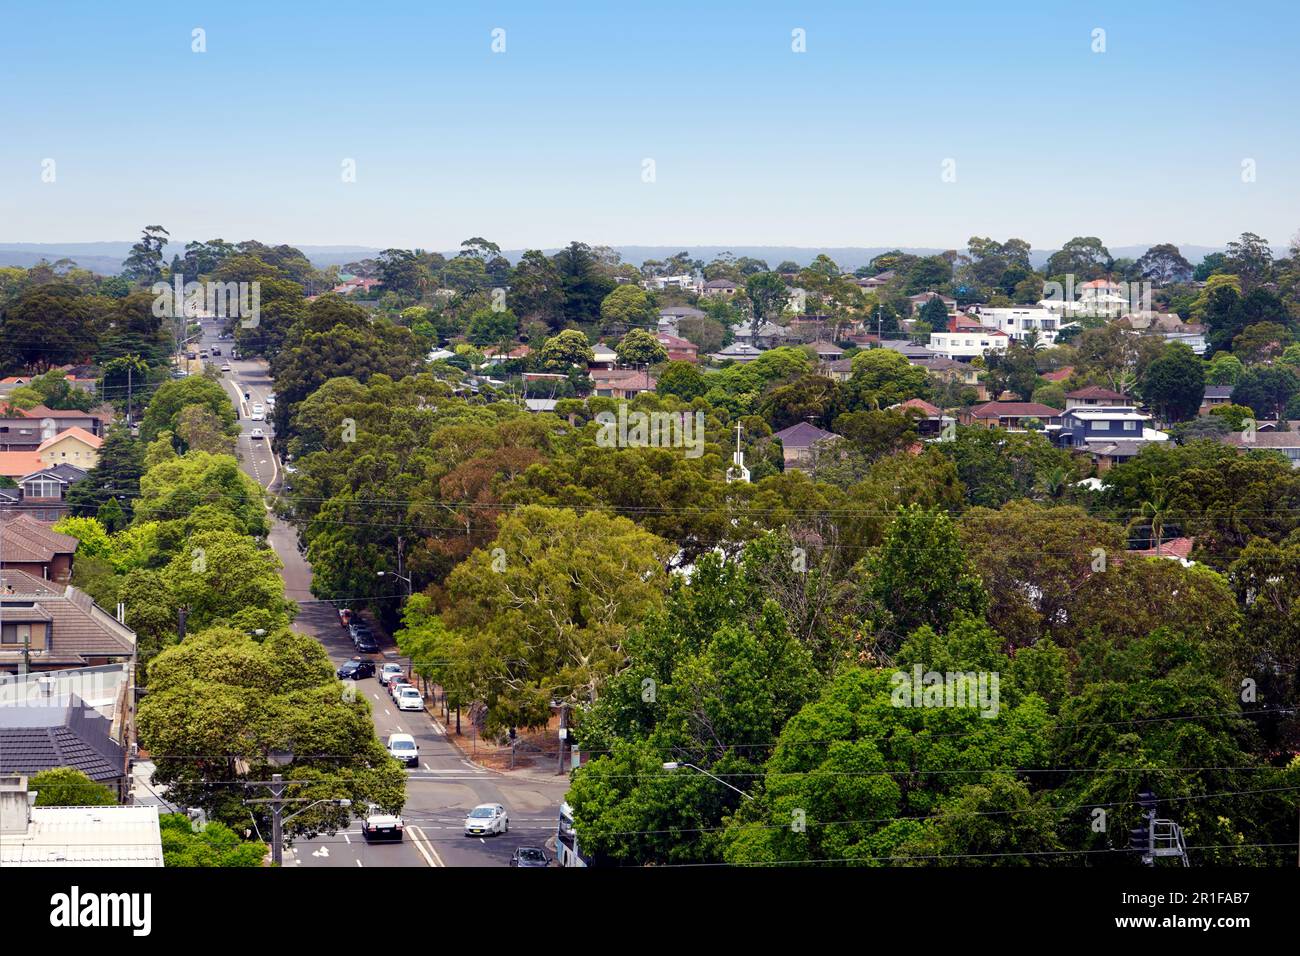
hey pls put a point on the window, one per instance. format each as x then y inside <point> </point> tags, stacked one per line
<point>15,634</point>
<point>1101,425</point>
<point>1130,426</point>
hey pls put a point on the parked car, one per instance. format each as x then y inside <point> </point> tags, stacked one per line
<point>404,748</point>
<point>396,683</point>
<point>356,669</point>
<point>487,819</point>
<point>408,698</point>
<point>530,856</point>
<point>388,670</point>
<point>381,826</point>
<point>356,626</point>
<point>345,616</point>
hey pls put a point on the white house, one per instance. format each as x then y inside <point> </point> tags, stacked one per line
<point>1018,321</point>
<point>966,344</point>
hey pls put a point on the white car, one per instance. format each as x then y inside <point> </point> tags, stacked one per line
<point>270,401</point>
<point>487,819</point>
<point>408,698</point>
<point>225,366</point>
<point>256,434</point>
<point>382,826</point>
<point>387,671</point>
<point>259,414</point>
<point>404,748</point>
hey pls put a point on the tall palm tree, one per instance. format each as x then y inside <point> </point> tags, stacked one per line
<point>1154,512</point>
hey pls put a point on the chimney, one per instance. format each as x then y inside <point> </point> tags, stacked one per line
<point>15,805</point>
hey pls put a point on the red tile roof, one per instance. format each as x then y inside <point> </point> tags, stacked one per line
<point>1014,410</point>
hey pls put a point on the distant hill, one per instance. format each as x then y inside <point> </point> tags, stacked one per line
<point>106,257</point>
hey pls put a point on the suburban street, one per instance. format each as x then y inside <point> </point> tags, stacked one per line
<point>445,785</point>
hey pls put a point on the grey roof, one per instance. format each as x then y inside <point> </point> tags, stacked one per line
<point>80,628</point>
<point>803,435</point>
<point>1219,391</point>
<point>35,738</point>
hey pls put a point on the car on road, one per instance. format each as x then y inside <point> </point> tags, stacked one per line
<point>396,683</point>
<point>366,643</point>
<point>216,350</point>
<point>387,671</point>
<point>408,698</point>
<point>487,819</point>
<point>404,748</point>
<point>356,669</point>
<point>381,826</point>
<point>259,413</point>
<point>225,366</point>
<point>530,856</point>
<point>270,400</point>
<point>256,434</point>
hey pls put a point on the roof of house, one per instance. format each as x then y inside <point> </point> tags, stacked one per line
<point>719,284</point>
<point>77,432</point>
<point>69,733</point>
<point>825,348</point>
<point>937,364</point>
<point>1264,439</point>
<point>839,365</point>
<point>23,583</point>
<point>881,277</point>
<point>1060,375</point>
<point>516,351</point>
<point>930,411</point>
<point>28,540</point>
<point>682,312</point>
<point>1173,548</point>
<point>81,629</point>
<point>16,464</point>
<point>540,404</point>
<point>623,378</point>
<point>68,474</point>
<point>1106,413</point>
<point>41,411</point>
<point>1096,391</point>
<point>86,836</point>
<point>802,435</point>
<point>1014,410</point>
<point>1219,391</point>
<point>737,349</point>
<point>675,341</point>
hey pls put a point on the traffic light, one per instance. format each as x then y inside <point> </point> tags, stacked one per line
<point>1147,801</point>
<point>1139,838</point>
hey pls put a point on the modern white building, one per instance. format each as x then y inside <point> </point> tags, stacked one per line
<point>1020,320</point>
<point>966,344</point>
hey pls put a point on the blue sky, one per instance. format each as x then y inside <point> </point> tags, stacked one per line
<point>752,143</point>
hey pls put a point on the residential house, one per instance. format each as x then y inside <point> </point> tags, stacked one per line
<point>826,351</point>
<point>1216,395</point>
<point>1086,426</point>
<point>962,373</point>
<point>841,370</point>
<point>1169,326</point>
<point>919,301</point>
<point>540,404</point>
<point>603,357</point>
<point>30,546</point>
<point>962,342</point>
<point>768,335</point>
<point>737,352</point>
<point>1287,443</point>
<point>42,493</point>
<point>45,626</point>
<point>686,282</point>
<point>1010,415</point>
<point>907,348</point>
<point>622,383</point>
<point>495,356</point>
<point>670,316</point>
<point>25,429</point>
<point>77,837</point>
<point>37,735</point>
<point>1021,322</point>
<point>798,441</point>
<point>75,446</point>
<point>439,354</point>
<point>930,420</point>
<point>1094,396</point>
<point>873,283</point>
<point>719,288</point>
<point>679,349</point>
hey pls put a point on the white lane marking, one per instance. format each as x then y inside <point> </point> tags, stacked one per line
<point>347,839</point>
<point>421,842</point>
<point>359,863</point>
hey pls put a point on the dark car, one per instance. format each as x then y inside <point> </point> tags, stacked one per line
<point>356,669</point>
<point>530,856</point>
<point>366,643</point>
<point>216,350</point>
<point>357,626</point>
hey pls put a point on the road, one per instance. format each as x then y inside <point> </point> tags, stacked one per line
<point>444,786</point>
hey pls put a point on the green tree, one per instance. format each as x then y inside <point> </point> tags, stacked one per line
<point>566,349</point>
<point>66,787</point>
<point>627,307</point>
<point>214,845</point>
<point>1174,383</point>
<point>640,347</point>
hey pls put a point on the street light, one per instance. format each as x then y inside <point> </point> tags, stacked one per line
<point>400,577</point>
<point>673,765</point>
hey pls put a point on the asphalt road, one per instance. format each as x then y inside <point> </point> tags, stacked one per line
<point>444,786</point>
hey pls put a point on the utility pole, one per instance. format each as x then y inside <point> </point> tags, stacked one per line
<point>276,802</point>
